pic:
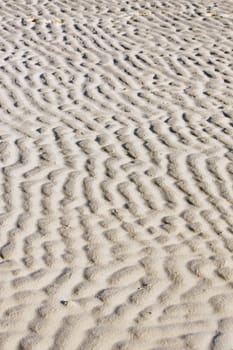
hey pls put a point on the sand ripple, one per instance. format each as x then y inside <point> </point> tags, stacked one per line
<point>116,152</point>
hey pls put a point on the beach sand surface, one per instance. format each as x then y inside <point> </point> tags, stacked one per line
<point>116,182</point>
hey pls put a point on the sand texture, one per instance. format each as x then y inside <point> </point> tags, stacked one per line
<point>116,182</point>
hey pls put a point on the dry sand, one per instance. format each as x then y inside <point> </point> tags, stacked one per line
<point>116,153</point>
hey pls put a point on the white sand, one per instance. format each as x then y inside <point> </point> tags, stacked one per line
<point>116,149</point>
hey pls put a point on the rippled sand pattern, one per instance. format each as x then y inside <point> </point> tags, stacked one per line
<point>116,150</point>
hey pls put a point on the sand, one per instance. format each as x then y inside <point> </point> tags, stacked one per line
<point>116,150</point>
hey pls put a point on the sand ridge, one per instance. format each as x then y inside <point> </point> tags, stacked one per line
<point>116,128</point>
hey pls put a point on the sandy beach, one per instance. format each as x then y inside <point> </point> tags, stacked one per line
<point>116,181</point>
